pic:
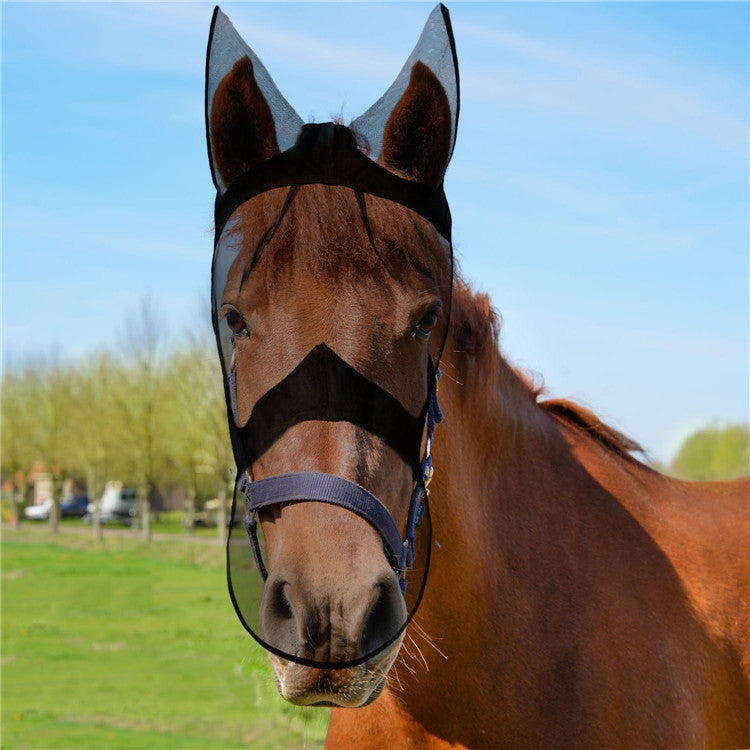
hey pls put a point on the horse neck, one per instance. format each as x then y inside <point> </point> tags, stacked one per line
<point>500,463</point>
<point>492,458</point>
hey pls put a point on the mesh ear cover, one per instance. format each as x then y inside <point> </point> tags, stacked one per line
<point>225,48</point>
<point>436,49</point>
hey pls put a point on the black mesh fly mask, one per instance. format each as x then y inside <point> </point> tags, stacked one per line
<point>323,386</point>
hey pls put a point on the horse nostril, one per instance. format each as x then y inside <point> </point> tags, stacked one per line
<point>299,619</point>
<point>280,608</point>
<point>386,616</point>
<point>277,616</point>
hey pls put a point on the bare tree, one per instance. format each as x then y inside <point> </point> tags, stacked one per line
<point>17,453</point>
<point>97,388</point>
<point>143,403</point>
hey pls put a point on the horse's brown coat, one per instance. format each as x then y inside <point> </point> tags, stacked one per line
<point>577,598</point>
<point>242,128</point>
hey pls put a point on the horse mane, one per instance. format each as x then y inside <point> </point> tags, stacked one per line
<point>475,327</point>
<point>475,324</point>
<point>585,421</point>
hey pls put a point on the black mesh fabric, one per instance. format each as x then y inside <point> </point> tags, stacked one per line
<point>247,589</point>
<point>435,49</point>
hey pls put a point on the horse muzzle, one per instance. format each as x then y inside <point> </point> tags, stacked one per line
<point>354,687</point>
<point>332,597</point>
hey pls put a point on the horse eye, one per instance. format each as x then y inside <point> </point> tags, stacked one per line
<point>425,326</point>
<point>235,322</point>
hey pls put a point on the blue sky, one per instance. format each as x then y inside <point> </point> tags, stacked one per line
<point>599,186</point>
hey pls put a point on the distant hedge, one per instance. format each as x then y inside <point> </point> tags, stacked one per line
<point>714,453</point>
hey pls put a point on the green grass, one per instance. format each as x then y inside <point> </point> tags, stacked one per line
<point>128,645</point>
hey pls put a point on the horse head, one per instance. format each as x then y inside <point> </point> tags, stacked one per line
<point>331,302</point>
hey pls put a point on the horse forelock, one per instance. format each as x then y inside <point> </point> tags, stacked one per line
<point>324,232</point>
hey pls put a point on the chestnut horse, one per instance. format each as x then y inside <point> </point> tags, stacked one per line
<point>576,597</point>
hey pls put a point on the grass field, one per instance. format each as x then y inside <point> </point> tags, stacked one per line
<point>128,645</point>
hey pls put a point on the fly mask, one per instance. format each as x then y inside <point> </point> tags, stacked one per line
<point>324,386</point>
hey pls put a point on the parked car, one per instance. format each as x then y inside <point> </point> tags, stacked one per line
<point>117,505</point>
<point>38,512</point>
<point>74,507</point>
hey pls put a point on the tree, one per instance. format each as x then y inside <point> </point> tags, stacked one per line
<point>203,453</point>
<point>142,401</point>
<point>96,390</point>
<point>18,453</point>
<point>714,453</point>
<point>50,412</point>
<point>139,415</point>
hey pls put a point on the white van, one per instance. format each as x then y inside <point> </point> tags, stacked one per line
<point>117,505</point>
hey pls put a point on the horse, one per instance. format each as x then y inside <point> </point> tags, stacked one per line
<point>576,597</point>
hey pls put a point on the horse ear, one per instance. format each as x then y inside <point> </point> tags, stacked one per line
<point>243,132</point>
<point>418,135</point>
